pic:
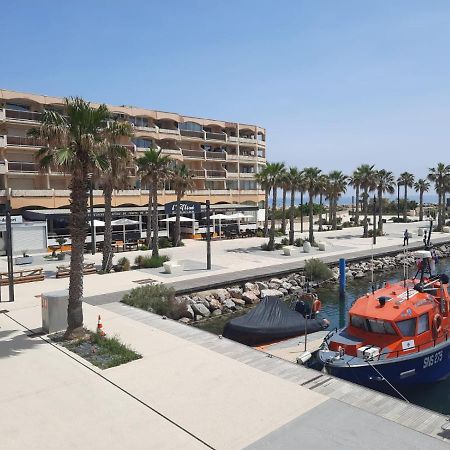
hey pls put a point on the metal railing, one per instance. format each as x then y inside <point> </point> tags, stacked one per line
<point>216,174</point>
<point>25,141</point>
<point>216,155</point>
<point>19,166</point>
<point>197,173</point>
<point>23,115</point>
<point>193,153</point>
<point>216,136</point>
<point>191,133</point>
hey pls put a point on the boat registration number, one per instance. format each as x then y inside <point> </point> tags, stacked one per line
<point>431,360</point>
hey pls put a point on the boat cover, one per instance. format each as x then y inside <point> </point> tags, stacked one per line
<point>271,320</point>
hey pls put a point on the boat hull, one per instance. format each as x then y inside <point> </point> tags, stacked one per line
<point>424,367</point>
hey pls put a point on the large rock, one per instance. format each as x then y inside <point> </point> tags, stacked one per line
<point>286,285</point>
<point>214,304</point>
<point>250,298</point>
<point>235,292</point>
<point>271,293</point>
<point>216,312</point>
<point>200,309</point>
<point>276,281</point>
<point>239,301</point>
<point>250,286</point>
<point>189,313</point>
<point>222,294</point>
<point>228,303</point>
<point>261,285</point>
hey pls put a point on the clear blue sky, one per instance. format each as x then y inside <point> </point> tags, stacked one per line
<point>336,83</point>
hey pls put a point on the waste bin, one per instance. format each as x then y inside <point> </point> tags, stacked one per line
<point>54,310</point>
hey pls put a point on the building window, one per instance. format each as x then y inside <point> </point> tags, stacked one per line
<point>190,126</point>
<point>248,185</point>
<point>260,152</point>
<point>143,143</point>
<point>16,107</point>
<point>139,121</point>
<point>424,324</point>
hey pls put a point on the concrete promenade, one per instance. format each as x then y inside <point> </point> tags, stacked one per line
<point>190,389</point>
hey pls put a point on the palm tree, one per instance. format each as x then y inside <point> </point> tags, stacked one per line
<point>275,172</point>
<point>301,186</point>
<point>285,185</point>
<point>310,176</point>
<point>385,182</point>
<point>321,190</point>
<point>337,185</point>
<point>407,180</point>
<point>262,179</point>
<point>115,177</point>
<point>182,182</point>
<point>439,175</point>
<point>294,177</point>
<point>154,169</point>
<point>421,186</point>
<point>367,182</point>
<point>74,142</point>
<point>355,181</point>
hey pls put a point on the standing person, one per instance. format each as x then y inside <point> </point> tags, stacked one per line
<point>405,238</point>
<point>425,237</point>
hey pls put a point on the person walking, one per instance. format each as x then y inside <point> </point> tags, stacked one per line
<point>406,238</point>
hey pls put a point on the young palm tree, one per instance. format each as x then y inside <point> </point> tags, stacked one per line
<point>321,190</point>
<point>407,180</point>
<point>155,169</point>
<point>301,187</point>
<point>355,181</point>
<point>310,176</point>
<point>439,175</point>
<point>262,179</point>
<point>385,182</point>
<point>74,142</point>
<point>275,173</point>
<point>337,185</point>
<point>294,178</point>
<point>285,185</point>
<point>421,186</point>
<point>182,182</point>
<point>368,184</point>
<point>115,177</point>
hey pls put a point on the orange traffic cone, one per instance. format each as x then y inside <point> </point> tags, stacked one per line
<point>100,327</point>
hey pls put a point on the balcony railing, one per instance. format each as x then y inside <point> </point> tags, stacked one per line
<point>19,166</point>
<point>193,153</point>
<point>171,151</point>
<point>247,174</point>
<point>145,128</point>
<point>216,155</point>
<point>216,136</point>
<point>25,141</point>
<point>216,174</point>
<point>197,173</point>
<point>23,115</point>
<point>194,134</point>
<point>169,131</point>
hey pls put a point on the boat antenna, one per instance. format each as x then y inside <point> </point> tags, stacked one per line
<point>371,271</point>
<point>428,243</point>
<point>404,268</point>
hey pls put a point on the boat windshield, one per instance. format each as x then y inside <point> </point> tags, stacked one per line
<point>372,325</point>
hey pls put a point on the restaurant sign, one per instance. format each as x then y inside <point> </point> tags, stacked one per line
<point>14,219</point>
<point>185,207</point>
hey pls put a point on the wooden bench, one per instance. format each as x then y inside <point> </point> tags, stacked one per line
<point>64,271</point>
<point>23,276</point>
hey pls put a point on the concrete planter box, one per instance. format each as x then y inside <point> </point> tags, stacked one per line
<point>306,247</point>
<point>288,250</point>
<point>23,260</point>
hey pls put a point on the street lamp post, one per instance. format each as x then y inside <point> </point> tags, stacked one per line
<point>208,236</point>
<point>398,200</point>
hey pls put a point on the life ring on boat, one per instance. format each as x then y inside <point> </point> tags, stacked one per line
<point>437,325</point>
<point>317,304</point>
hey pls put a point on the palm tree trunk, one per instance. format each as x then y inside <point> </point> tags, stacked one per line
<point>283,214</point>
<point>311,217</point>
<point>155,246</point>
<point>177,231</point>
<point>365,212</point>
<point>357,205</point>
<point>443,209</point>
<point>439,220</point>
<point>149,216</point>
<point>330,211</point>
<point>301,212</point>
<point>266,213</point>
<point>78,232</point>
<point>334,213</point>
<point>291,218</point>
<point>320,212</point>
<point>405,209</point>
<point>107,236</point>
<point>271,244</point>
<point>421,205</point>
<point>380,211</point>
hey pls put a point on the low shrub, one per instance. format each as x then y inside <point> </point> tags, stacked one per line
<point>317,270</point>
<point>259,233</point>
<point>154,261</point>
<point>123,264</point>
<point>143,247</point>
<point>277,246</point>
<point>157,299</point>
<point>370,233</point>
<point>299,242</point>
<point>139,260</point>
<point>347,225</point>
<point>285,241</point>
<point>164,242</point>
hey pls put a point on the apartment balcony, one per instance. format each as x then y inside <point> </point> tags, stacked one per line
<point>245,140</point>
<point>196,154</point>
<point>192,134</point>
<point>247,175</point>
<point>198,173</point>
<point>169,131</point>
<point>24,141</point>
<point>148,129</point>
<point>216,174</point>
<point>216,155</point>
<point>171,151</point>
<point>3,167</point>
<point>22,167</point>
<point>216,136</point>
<point>20,116</point>
<point>232,156</point>
<point>246,157</point>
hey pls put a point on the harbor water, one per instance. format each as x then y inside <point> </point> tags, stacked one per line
<point>435,397</point>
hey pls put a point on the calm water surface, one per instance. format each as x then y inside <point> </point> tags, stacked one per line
<point>435,397</point>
